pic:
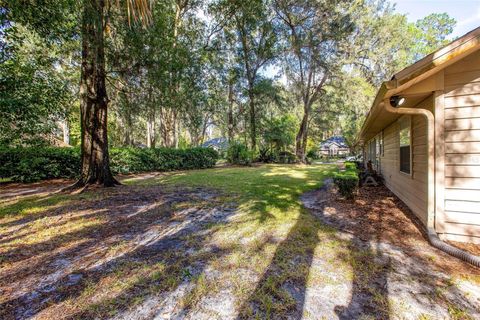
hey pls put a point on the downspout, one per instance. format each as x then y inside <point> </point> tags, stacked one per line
<point>432,234</point>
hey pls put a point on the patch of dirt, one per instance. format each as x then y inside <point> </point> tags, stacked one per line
<point>12,190</point>
<point>394,269</point>
<point>126,225</point>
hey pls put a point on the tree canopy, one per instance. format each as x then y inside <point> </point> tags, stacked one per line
<point>178,72</point>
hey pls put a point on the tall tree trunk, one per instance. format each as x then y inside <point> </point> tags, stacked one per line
<point>301,139</point>
<point>128,129</point>
<point>127,139</point>
<point>176,130</point>
<point>253,128</point>
<point>66,131</point>
<point>151,130</point>
<point>126,119</point>
<point>204,129</point>
<point>150,120</point>
<point>95,166</point>
<point>230,123</point>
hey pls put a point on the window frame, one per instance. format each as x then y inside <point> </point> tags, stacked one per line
<point>378,151</point>
<point>382,144</point>
<point>401,123</point>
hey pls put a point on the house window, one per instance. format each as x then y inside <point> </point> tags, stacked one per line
<point>378,151</point>
<point>405,146</point>
<point>371,151</point>
<point>382,146</point>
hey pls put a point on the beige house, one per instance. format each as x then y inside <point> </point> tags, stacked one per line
<point>334,146</point>
<point>422,135</point>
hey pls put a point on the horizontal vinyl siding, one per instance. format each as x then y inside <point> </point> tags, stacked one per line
<point>411,189</point>
<point>462,149</point>
<point>462,194</point>
<point>462,113</point>
<point>462,135</point>
<point>459,217</point>
<point>459,171</point>
<point>462,159</point>
<point>463,183</point>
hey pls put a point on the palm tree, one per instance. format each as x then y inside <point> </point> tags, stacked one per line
<point>95,164</point>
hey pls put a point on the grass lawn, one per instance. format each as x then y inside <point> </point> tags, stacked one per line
<point>221,243</point>
<point>269,223</point>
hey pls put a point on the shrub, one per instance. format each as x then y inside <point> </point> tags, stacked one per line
<point>347,181</point>
<point>350,166</point>
<point>133,160</point>
<point>286,157</point>
<point>238,153</point>
<point>312,154</point>
<point>267,155</point>
<point>34,164</point>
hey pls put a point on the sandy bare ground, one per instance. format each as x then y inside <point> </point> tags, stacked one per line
<point>144,252</point>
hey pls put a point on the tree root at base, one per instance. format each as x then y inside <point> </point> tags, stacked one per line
<point>81,186</point>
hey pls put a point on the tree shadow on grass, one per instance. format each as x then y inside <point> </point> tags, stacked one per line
<point>368,229</point>
<point>161,261</point>
<point>157,259</point>
<point>281,291</point>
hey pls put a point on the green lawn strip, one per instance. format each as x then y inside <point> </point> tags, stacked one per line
<point>273,237</point>
<point>269,200</point>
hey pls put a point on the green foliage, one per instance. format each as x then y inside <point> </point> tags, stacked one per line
<point>34,164</point>
<point>430,33</point>
<point>238,153</point>
<point>350,166</point>
<point>286,157</point>
<point>186,75</point>
<point>33,94</point>
<point>267,155</point>
<point>347,181</point>
<point>273,156</point>
<point>280,131</point>
<point>132,160</point>
<point>312,154</point>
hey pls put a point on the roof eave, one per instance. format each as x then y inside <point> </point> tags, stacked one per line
<point>420,70</point>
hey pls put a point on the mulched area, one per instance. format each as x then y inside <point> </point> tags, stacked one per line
<point>469,247</point>
<point>397,274</point>
<point>377,214</point>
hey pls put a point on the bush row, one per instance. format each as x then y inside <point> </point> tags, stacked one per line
<point>238,153</point>
<point>34,164</point>
<point>347,180</point>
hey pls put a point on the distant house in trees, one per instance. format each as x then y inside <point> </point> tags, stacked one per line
<point>219,144</point>
<point>422,135</point>
<point>334,146</point>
